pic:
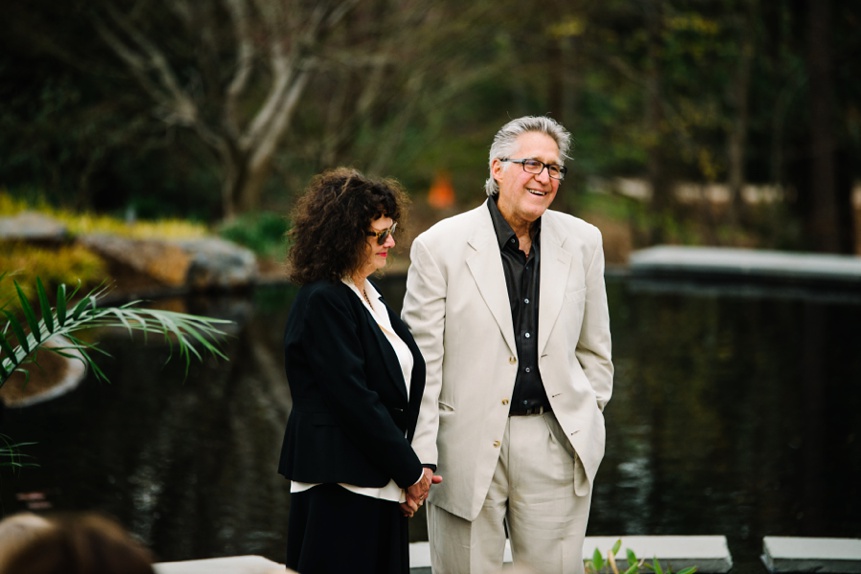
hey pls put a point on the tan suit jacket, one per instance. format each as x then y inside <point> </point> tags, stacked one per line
<point>457,308</point>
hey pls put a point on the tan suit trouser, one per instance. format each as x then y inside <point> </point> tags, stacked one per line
<point>532,494</point>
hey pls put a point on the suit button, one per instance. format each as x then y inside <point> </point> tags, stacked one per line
<point>512,360</point>
<point>504,401</point>
<point>496,444</point>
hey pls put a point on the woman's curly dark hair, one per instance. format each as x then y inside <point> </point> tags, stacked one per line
<point>328,239</point>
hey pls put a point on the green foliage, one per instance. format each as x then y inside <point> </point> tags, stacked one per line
<point>11,455</point>
<point>73,263</point>
<point>600,565</point>
<point>262,232</point>
<point>414,88</point>
<point>68,264</point>
<point>29,328</point>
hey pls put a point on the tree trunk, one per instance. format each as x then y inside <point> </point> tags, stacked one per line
<point>736,145</point>
<point>823,223</point>
<point>661,200</point>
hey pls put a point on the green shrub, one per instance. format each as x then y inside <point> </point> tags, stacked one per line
<point>600,565</point>
<point>263,232</point>
<point>70,264</point>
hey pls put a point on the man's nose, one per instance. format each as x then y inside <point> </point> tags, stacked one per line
<point>543,175</point>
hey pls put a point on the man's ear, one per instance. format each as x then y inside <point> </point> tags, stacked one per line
<point>496,168</point>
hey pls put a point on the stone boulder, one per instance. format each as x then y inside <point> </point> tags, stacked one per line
<point>217,263</point>
<point>32,226</point>
<point>163,261</point>
<point>194,264</point>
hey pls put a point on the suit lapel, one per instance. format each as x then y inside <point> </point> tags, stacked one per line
<point>485,264</point>
<point>555,265</point>
<point>416,383</point>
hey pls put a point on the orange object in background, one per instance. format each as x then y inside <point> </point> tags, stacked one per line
<point>441,193</point>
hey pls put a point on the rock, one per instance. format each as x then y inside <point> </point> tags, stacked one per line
<point>219,263</point>
<point>166,262</point>
<point>195,264</point>
<point>32,226</point>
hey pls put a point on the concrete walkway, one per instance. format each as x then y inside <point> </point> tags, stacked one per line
<point>709,553</point>
<point>792,554</point>
<point>673,260</point>
<point>226,565</point>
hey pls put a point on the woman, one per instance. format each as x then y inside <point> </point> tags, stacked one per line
<point>356,378</point>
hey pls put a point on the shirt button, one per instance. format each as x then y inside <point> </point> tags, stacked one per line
<point>504,401</point>
<point>527,335</point>
<point>526,301</point>
<point>496,444</point>
<point>511,360</point>
<point>528,369</point>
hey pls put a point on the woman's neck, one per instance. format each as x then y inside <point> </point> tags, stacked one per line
<point>359,282</point>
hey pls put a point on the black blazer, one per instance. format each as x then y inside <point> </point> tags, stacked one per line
<point>351,421</point>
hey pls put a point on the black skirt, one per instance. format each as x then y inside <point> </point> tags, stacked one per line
<point>332,530</point>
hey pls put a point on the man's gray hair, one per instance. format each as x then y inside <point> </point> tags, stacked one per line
<point>506,138</point>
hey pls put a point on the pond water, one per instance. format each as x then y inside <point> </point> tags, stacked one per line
<point>735,412</point>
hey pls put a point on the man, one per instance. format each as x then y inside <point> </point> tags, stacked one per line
<point>508,305</point>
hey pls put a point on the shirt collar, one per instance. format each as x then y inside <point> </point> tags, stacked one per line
<point>504,233</point>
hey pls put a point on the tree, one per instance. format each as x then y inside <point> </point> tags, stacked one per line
<point>810,92</point>
<point>236,86</point>
<point>400,91</point>
<point>823,222</point>
<point>739,95</point>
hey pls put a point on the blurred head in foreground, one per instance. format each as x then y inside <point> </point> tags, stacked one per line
<point>70,544</point>
<point>18,530</point>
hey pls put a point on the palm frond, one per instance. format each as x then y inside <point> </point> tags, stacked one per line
<point>11,455</point>
<point>184,332</point>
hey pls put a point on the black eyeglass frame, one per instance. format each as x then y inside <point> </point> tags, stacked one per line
<point>562,169</point>
<point>384,234</point>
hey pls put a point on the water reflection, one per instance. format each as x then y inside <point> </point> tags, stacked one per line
<point>719,423</point>
<point>732,415</point>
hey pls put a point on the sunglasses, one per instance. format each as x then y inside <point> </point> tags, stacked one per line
<point>382,235</point>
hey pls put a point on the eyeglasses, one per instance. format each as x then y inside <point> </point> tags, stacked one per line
<point>536,167</point>
<point>384,234</point>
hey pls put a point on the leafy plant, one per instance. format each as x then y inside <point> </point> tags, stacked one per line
<point>599,565</point>
<point>20,339</point>
<point>10,454</point>
<point>65,264</point>
<point>262,232</point>
<point>27,331</point>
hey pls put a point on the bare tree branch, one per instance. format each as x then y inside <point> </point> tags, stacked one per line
<point>244,63</point>
<point>183,110</point>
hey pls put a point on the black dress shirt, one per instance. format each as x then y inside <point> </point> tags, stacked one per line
<point>522,275</point>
